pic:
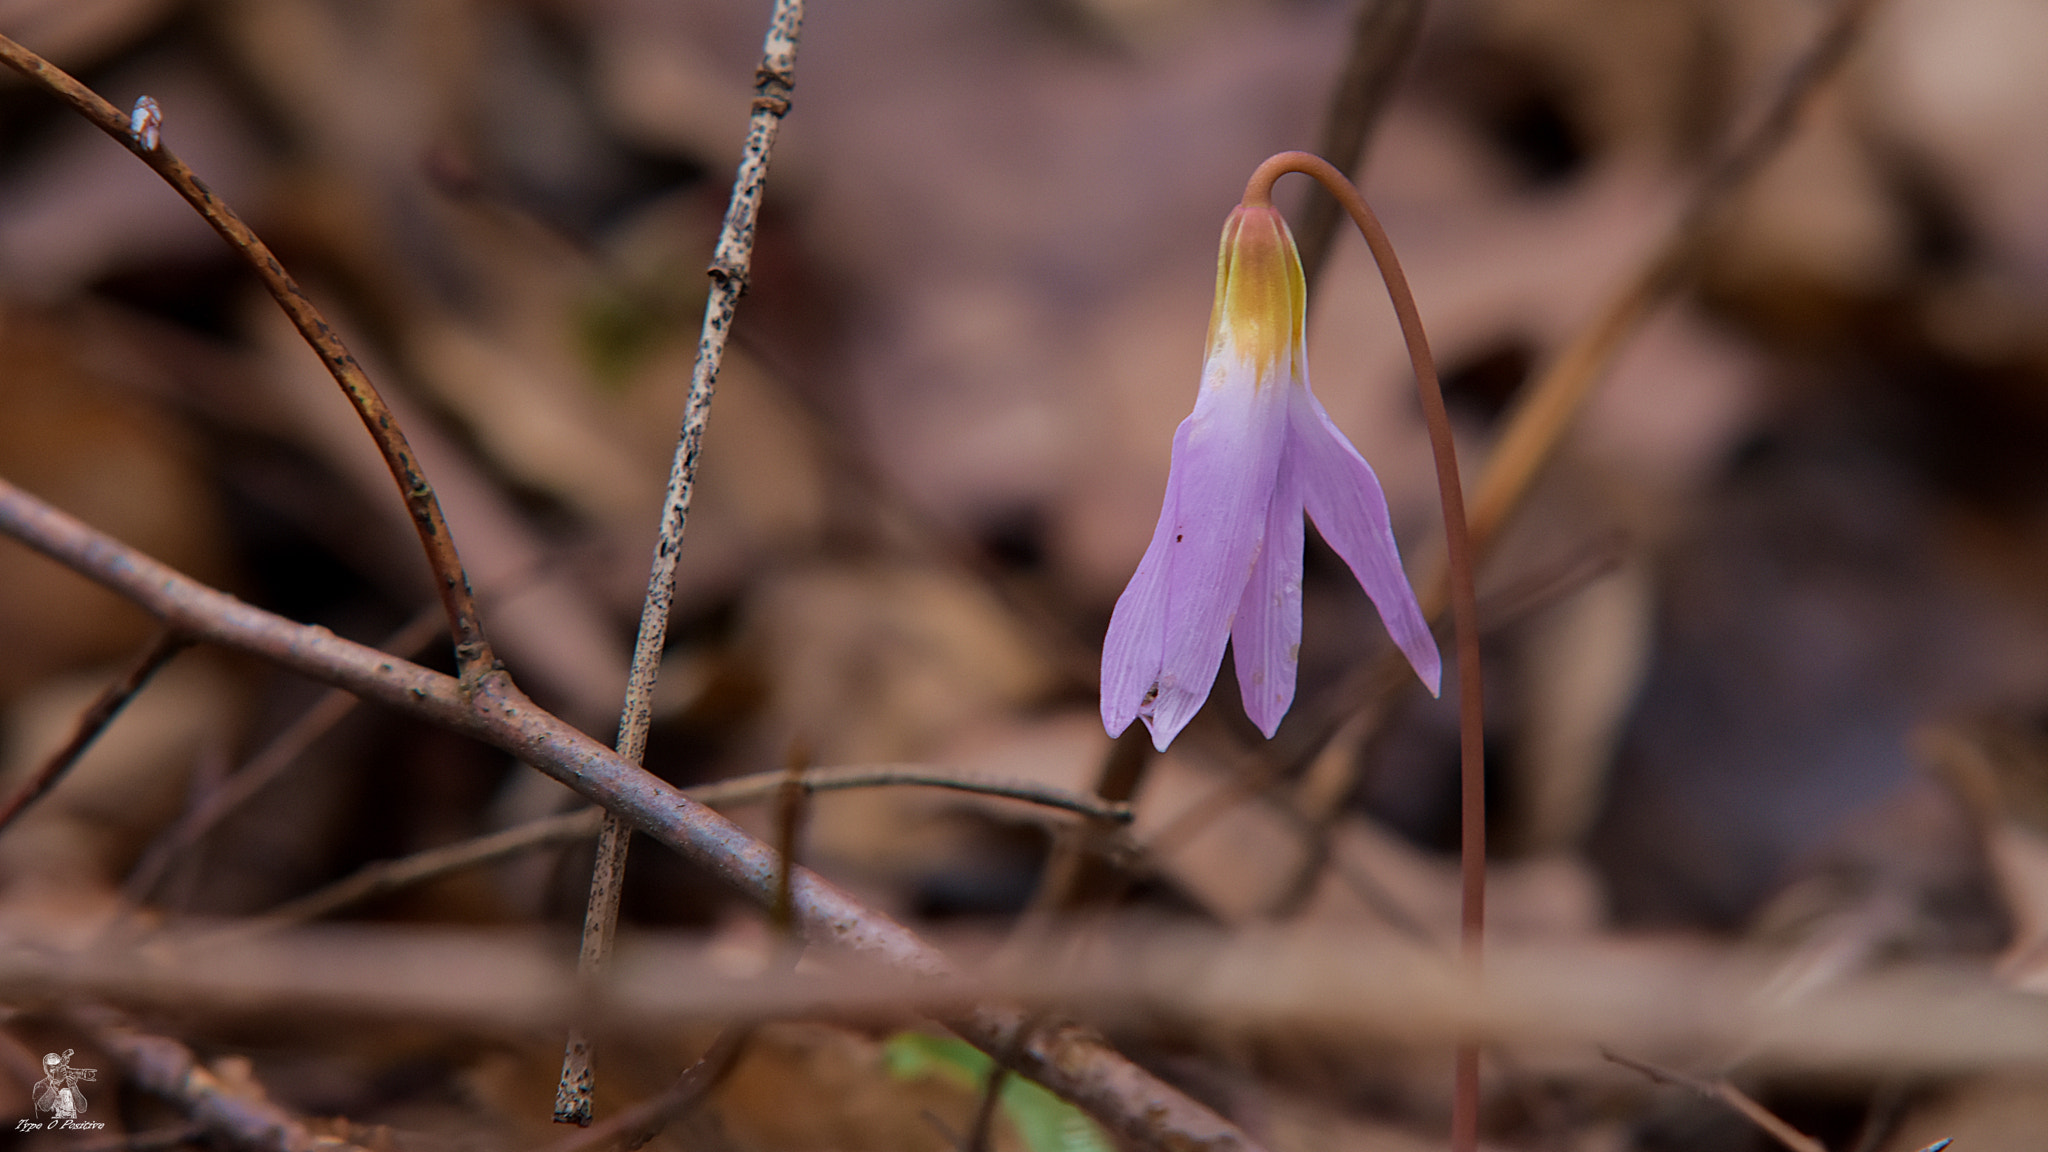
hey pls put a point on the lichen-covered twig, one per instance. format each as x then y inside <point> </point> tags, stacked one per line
<point>139,135</point>
<point>1129,1101</point>
<point>93,721</point>
<point>731,263</point>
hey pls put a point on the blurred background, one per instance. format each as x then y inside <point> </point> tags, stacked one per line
<point>1767,647</point>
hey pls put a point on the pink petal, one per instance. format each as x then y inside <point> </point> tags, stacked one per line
<point>1343,497</point>
<point>1186,593</point>
<point>1132,648</point>
<point>1266,640</point>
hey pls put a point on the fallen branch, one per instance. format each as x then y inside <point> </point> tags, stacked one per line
<point>234,1111</point>
<point>1127,1100</point>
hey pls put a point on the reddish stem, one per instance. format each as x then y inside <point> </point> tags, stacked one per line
<point>1258,192</point>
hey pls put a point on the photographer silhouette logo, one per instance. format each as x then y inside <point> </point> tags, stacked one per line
<point>59,1102</point>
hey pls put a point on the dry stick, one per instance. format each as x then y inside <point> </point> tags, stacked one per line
<point>1130,1102</point>
<point>93,721</point>
<point>392,875</point>
<point>980,1131</point>
<point>643,1122</point>
<point>1724,1092</point>
<point>473,656</point>
<point>1382,39</point>
<point>387,876</point>
<point>1062,879</point>
<point>731,262</point>
<point>236,1114</point>
<point>262,769</point>
<point>1464,603</point>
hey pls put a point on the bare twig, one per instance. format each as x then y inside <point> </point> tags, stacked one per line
<point>387,876</point>
<point>1063,878</point>
<point>473,655</point>
<point>1464,601</point>
<point>236,1113</point>
<point>731,263</point>
<point>1382,38</point>
<point>1127,1100</point>
<point>791,804</point>
<point>763,785</point>
<point>392,875</point>
<point>981,1132</point>
<point>93,721</point>
<point>643,1121</point>
<point>1722,1091</point>
<point>261,770</point>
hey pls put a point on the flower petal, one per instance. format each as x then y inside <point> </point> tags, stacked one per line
<point>1266,640</point>
<point>1225,457</point>
<point>1132,648</point>
<point>1343,497</point>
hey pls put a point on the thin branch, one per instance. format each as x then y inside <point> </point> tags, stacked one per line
<point>473,656</point>
<point>1464,601</point>
<point>93,721</point>
<point>792,802</point>
<point>731,263</point>
<point>387,876</point>
<point>233,1113</point>
<point>981,1132</point>
<point>1382,38</point>
<point>1722,1091</point>
<point>1065,876</point>
<point>763,786</point>
<point>643,1121</point>
<point>1127,1100</point>
<point>262,769</point>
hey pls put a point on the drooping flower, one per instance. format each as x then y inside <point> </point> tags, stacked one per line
<point>1225,560</point>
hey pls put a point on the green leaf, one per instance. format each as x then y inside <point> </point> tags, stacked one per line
<point>1044,1122</point>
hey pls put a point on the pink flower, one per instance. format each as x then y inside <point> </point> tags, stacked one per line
<point>1225,560</point>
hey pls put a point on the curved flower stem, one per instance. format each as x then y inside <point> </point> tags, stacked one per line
<point>1464,602</point>
<point>473,656</point>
